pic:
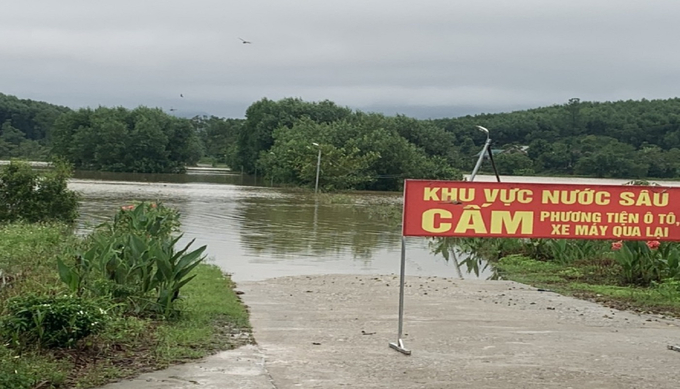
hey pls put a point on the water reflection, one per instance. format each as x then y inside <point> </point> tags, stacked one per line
<point>260,232</point>
<point>305,227</point>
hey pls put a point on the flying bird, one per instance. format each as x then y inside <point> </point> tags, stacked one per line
<point>181,95</point>
<point>173,109</point>
<point>245,42</point>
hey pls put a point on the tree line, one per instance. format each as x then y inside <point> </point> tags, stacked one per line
<point>25,126</point>
<point>622,139</point>
<point>142,140</point>
<point>280,140</point>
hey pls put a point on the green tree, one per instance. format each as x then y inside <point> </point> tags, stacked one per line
<point>33,118</point>
<point>264,116</point>
<point>219,137</point>
<point>537,148</point>
<point>426,135</point>
<point>513,163</point>
<point>613,160</point>
<point>143,140</point>
<point>13,144</point>
<point>359,153</point>
<point>293,158</point>
<point>574,109</point>
<point>661,164</point>
<point>11,134</point>
<point>183,145</point>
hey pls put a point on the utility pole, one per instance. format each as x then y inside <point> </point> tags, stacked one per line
<point>318,168</point>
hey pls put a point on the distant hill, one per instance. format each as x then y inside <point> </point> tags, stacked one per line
<point>33,118</point>
<point>622,139</point>
<point>626,139</point>
<point>633,122</point>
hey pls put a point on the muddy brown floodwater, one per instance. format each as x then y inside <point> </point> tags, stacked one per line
<point>256,232</point>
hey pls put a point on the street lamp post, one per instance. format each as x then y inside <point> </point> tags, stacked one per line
<point>481,154</point>
<point>318,167</point>
<point>487,148</point>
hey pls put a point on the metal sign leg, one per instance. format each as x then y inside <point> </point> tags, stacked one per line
<point>399,344</point>
<point>456,264</point>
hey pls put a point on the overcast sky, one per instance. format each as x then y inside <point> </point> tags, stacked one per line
<point>425,58</point>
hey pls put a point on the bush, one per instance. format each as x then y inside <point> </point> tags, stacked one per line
<point>150,219</point>
<point>134,260</point>
<point>36,197</point>
<point>51,321</point>
<point>565,251</point>
<point>643,263</point>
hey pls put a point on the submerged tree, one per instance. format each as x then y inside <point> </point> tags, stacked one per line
<point>143,140</point>
<point>362,152</point>
<point>265,116</point>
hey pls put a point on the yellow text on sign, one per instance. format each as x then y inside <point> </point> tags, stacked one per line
<point>439,221</point>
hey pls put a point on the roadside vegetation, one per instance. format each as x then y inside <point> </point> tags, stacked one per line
<point>277,141</point>
<point>642,276</point>
<point>127,298</point>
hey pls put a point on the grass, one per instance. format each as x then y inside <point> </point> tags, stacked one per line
<point>595,280</point>
<point>212,319</point>
<point>30,369</point>
<point>28,255</point>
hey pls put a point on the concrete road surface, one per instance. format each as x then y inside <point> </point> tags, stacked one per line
<point>333,332</point>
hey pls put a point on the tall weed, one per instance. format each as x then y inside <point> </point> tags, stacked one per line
<point>565,251</point>
<point>644,263</point>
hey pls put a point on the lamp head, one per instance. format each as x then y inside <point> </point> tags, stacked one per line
<point>482,129</point>
<point>315,144</point>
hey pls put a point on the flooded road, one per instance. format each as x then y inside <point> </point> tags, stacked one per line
<point>258,232</point>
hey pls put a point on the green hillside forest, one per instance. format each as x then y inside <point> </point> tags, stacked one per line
<point>280,141</point>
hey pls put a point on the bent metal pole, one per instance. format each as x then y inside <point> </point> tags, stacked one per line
<point>399,344</point>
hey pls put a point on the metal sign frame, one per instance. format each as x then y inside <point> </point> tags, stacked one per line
<point>399,344</point>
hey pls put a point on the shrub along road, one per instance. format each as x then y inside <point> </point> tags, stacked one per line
<point>212,319</point>
<point>82,311</point>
